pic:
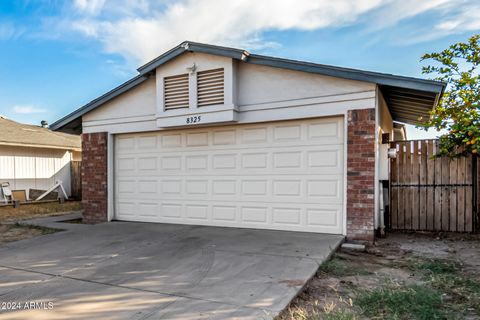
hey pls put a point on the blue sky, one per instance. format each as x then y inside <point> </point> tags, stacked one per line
<point>57,55</point>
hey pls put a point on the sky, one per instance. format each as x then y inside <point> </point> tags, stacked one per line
<point>55,56</point>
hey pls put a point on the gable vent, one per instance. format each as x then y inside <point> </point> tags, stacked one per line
<point>210,87</point>
<point>176,91</point>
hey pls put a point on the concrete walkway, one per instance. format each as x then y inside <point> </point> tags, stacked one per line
<point>123,270</point>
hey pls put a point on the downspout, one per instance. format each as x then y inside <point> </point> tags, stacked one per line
<point>382,209</point>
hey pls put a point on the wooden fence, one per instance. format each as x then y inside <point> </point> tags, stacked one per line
<point>432,194</point>
<point>76,179</point>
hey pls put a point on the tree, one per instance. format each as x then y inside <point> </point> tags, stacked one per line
<point>459,109</point>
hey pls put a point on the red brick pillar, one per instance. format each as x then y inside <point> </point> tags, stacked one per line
<point>361,175</point>
<point>94,177</point>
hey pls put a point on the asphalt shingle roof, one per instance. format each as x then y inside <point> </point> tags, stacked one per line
<point>14,133</point>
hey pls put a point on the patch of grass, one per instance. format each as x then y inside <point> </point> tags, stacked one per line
<point>341,268</point>
<point>446,276</point>
<point>403,302</point>
<point>16,231</point>
<point>29,211</point>
<point>339,315</point>
<point>462,292</point>
<point>43,230</point>
<point>336,314</point>
<point>434,266</point>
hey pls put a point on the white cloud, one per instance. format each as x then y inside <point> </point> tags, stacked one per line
<point>8,30</point>
<point>393,11</point>
<point>467,19</point>
<point>27,109</point>
<point>92,7</point>
<point>142,37</point>
<point>141,30</point>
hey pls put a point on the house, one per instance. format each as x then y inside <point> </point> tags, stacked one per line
<point>217,136</point>
<point>34,157</point>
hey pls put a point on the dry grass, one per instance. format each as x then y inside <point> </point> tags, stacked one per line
<point>15,232</point>
<point>31,211</point>
<point>11,231</point>
<point>402,277</point>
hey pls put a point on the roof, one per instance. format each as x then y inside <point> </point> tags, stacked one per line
<point>18,134</point>
<point>420,95</point>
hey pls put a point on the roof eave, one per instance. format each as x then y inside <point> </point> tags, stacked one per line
<point>42,146</point>
<point>351,74</point>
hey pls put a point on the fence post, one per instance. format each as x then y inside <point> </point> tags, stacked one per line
<point>475,199</point>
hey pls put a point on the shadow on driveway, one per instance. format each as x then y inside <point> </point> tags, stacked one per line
<point>124,270</point>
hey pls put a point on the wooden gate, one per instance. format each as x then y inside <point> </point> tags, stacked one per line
<point>432,194</point>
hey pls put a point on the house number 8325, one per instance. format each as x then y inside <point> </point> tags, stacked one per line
<point>194,119</point>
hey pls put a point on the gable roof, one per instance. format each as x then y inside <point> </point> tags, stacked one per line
<point>25,135</point>
<point>423,94</point>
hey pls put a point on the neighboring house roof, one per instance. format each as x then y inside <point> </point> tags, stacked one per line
<point>18,134</point>
<point>408,98</point>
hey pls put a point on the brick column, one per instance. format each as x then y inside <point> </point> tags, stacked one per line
<point>94,177</point>
<point>361,175</point>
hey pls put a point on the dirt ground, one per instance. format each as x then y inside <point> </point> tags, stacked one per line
<point>15,232</point>
<point>12,231</point>
<point>404,276</point>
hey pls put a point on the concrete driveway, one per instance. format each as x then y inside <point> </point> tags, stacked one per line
<point>124,270</point>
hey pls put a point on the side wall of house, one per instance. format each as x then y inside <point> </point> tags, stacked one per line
<point>385,125</point>
<point>34,168</point>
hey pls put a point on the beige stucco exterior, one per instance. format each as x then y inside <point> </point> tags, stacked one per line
<point>253,93</point>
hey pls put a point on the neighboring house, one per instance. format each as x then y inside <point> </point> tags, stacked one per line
<point>209,135</point>
<point>33,157</point>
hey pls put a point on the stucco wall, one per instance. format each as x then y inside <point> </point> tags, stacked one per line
<point>137,102</point>
<point>261,84</point>
<point>258,93</point>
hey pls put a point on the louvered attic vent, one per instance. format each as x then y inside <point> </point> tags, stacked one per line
<point>176,91</point>
<point>210,87</point>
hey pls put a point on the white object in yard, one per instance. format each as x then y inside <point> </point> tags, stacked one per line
<point>7,192</point>
<point>353,246</point>
<point>58,184</point>
<point>392,153</point>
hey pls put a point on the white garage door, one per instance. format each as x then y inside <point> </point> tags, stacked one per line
<point>281,175</point>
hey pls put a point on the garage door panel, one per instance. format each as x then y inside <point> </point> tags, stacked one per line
<point>262,161</point>
<point>322,218</point>
<point>305,189</point>
<point>284,176</point>
<point>244,137</point>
